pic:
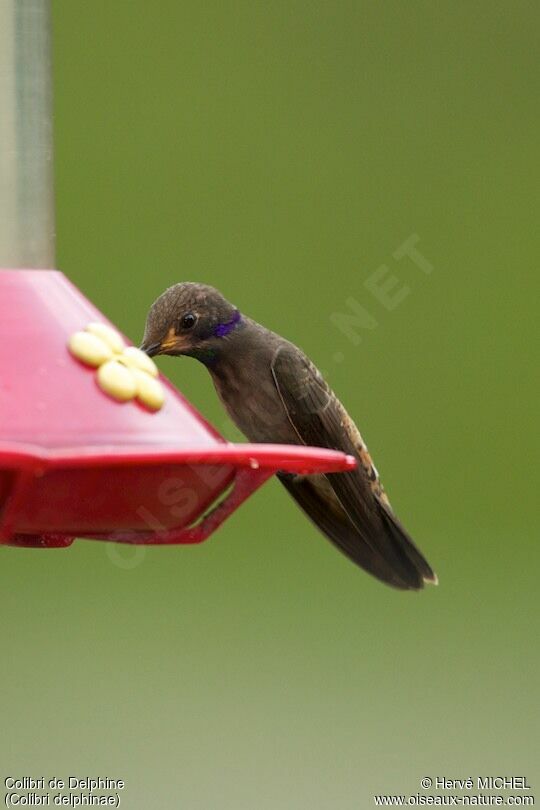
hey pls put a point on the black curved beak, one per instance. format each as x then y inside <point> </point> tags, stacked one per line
<point>151,349</point>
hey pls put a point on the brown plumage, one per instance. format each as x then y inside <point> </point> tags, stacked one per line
<point>274,393</point>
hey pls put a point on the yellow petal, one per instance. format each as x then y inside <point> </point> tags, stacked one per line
<point>135,358</point>
<point>111,337</point>
<point>89,348</point>
<point>117,381</point>
<point>149,390</point>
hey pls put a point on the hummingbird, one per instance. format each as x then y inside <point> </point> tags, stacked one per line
<point>274,393</point>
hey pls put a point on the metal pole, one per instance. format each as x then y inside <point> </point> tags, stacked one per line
<point>26,153</point>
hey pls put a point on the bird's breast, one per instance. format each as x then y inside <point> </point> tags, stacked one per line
<point>252,401</point>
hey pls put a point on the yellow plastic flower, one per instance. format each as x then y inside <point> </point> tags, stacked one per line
<point>123,372</point>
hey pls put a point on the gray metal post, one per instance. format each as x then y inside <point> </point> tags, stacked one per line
<point>26,153</point>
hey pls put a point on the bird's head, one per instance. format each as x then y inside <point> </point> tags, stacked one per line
<point>190,319</point>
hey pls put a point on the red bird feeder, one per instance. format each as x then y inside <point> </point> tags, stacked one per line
<point>75,462</point>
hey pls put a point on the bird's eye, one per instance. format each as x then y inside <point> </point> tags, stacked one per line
<point>188,320</point>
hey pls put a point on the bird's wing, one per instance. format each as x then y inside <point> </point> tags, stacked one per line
<point>325,511</point>
<point>319,419</point>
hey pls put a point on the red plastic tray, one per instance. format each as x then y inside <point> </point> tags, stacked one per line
<point>74,462</point>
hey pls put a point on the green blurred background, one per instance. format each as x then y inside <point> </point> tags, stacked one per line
<point>283,151</point>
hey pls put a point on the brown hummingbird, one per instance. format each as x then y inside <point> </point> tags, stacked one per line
<point>275,394</point>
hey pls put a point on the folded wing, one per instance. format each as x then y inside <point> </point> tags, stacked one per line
<point>350,508</point>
